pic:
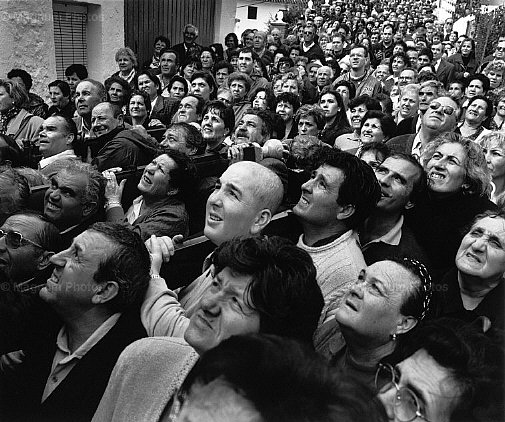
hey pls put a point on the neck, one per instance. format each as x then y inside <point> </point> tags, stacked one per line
<point>357,73</point>
<point>330,121</point>
<point>125,72</point>
<point>289,125</point>
<point>313,233</point>
<point>214,142</point>
<point>377,225</point>
<point>426,135</point>
<point>364,352</point>
<point>476,287</point>
<point>470,125</point>
<point>80,326</point>
<point>499,185</point>
<point>138,121</point>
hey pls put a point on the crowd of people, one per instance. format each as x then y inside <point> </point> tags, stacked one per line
<point>347,177</point>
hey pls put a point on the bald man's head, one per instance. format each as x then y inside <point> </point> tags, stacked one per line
<point>105,117</point>
<point>244,200</point>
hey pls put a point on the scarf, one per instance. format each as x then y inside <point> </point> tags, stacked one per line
<point>6,117</point>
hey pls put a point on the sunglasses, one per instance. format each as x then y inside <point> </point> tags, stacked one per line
<point>447,109</point>
<point>15,240</point>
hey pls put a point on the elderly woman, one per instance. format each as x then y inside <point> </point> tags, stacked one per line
<point>358,107</point>
<point>204,85</point>
<point>60,98</point>
<point>222,70</point>
<point>464,60</point>
<point>493,145</point>
<point>127,62</point>
<point>476,283</point>
<point>376,126</point>
<point>118,91</point>
<point>499,118</point>
<point>165,187</point>
<point>495,71</point>
<point>15,121</point>
<point>177,88</point>
<point>459,188</point>
<point>263,99</point>
<point>479,109</point>
<point>240,84</point>
<point>207,59</point>
<point>310,119</point>
<point>387,301</point>
<point>408,103</point>
<point>139,109</point>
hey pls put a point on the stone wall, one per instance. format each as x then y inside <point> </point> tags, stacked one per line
<point>27,38</point>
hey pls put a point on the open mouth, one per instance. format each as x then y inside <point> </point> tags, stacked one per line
<point>436,176</point>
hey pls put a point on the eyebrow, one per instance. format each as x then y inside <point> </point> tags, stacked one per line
<point>233,187</point>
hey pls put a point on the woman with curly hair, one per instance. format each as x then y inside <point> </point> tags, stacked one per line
<point>458,189</point>
<point>127,63</point>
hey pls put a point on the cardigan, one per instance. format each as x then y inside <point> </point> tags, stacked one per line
<point>143,383</point>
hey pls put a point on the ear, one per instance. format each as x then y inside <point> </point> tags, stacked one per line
<point>105,292</point>
<point>120,119</point>
<point>261,220</point>
<point>88,208</point>
<point>44,260</point>
<point>409,205</point>
<point>70,138</point>
<point>345,212</point>
<point>405,324</point>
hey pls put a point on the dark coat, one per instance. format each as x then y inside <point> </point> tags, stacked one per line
<point>460,68</point>
<point>446,72</point>
<point>438,223</point>
<point>78,395</point>
<point>402,143</point>
<point>447,300</point>
<point>164,109</point>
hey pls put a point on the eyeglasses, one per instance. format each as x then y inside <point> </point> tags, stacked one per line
<point>15,240</point>
<point>500,48</point>
<point>435,105</point>
<point>308,33</point>
<point>406,404</point>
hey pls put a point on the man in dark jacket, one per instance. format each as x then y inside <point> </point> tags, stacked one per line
<point>115,146</point>
<point>94,288</point>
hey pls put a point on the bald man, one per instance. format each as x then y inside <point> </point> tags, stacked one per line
<point>245,198</point>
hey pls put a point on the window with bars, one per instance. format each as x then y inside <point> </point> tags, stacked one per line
<point>69,39</point>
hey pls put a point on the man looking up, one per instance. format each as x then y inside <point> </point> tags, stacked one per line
<point>428,91</point>
<point>402,181</point>
<point>441,116</point>
<point>74,199</point>
<point>95,289</point>
<point>245,198</point>
<point>339,196</point>
<point>56,137</point>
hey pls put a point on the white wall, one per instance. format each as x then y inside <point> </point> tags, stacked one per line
<point>266,12</point>
<point>224,19</point>
<point>27,38</point>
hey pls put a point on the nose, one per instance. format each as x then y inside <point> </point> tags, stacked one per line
<point>3,245</point>
<point>479,244</point>
<point>488,157</point>
<point>357,289</point>
<point>59,259</point>
<point>307,186</point>
<point>387,399</point>
<point>210,304</point>
<point>54,194</point>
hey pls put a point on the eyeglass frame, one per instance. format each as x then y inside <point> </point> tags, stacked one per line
<point>444,108</point>
<point>22,239</point>
<point>393,382</point>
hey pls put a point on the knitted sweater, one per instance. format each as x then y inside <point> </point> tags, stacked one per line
<point>145,379</point>
<point>338,265</point>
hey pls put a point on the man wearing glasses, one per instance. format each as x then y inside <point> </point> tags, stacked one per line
<point>311,50</point>
<point>452,371</point>
<point>189,47</point>
<point>441,116</point>
<point>27,242</point>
